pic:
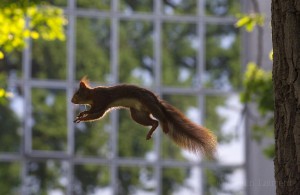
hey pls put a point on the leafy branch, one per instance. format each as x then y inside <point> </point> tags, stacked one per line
<point>19,22</point>
<point>258,88</point>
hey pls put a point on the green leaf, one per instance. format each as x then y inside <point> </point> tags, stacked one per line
<point>242,21</point>
<point>249,21</point>
<point>271,55</point>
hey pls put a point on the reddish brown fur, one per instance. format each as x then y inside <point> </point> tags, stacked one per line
<point>180,129</point>
<point>187,134</point>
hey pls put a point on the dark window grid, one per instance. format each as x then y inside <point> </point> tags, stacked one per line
<point>158,18</point>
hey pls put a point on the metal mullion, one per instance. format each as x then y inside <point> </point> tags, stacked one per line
<point>80,12</point>
<point>201,107</point>
<point>157,85</point>
<point>24,173</point>
<point>71,34</point>
<point>27,96</point>
<point>200,72</point>
<point>48,154</point>
<point>8,157</point>
<point>27,132</point>
<point>220,20</point>
<point>51,84</point>
<point>69,84</point>
<point>114,61</point>
<point>246,55</point>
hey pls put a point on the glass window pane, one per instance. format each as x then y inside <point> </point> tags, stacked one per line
<point>223,63</point>
<point>223,117</point>
<point>174,7</point>
<point>11,124</point>
<point>136,52</point>
<point>136,180</point>
<point>132,137</point>
<point>180,45</point>
<point>224,181</point>
<point>92,139</point>
<point>188,106</point>
<point>94,4</point>
<point>11,65</point>
<point>47,177</point>
<point>136,60</point>
<point>222,7</point>
<point>177,181</point>
<point>91,179</point>
<point>10,178</point>
<point>55,2</point>
<point>49,122</point>
<point>48,59</point>
<point>129,6</point>
<point>92,49</point>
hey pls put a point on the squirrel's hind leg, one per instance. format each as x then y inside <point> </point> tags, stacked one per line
<point>144,118</point>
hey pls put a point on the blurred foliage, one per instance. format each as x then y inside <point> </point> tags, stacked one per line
<point>21,20</point>
<point>45,53</point>
<point>10,177</point>
<point>249,21</point>
<point>271,55</point>
<point>53,172</point>
<point>9,142</point>
<point>94,4</point>
<point>136,5</point>
<point>179,64</point>
<point>171,183</point>
<point>173,7</point>
<point>93,49</point>
<point>49,106</point>
<point>223,47</point>
<point>89,177</point>
<point>216,179</point>
<point>48,118</point>
<point>258,89</point>
<point>10,132</point>
<point>136,51</point>
<point>135,177</point>
<point>222,8</point>
<point>4,94</point>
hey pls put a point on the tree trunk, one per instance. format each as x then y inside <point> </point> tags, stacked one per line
<point>286,81</point>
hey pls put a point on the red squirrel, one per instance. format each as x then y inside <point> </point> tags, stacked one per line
<point>144,107</point>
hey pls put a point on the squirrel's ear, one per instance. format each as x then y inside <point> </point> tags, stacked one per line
<point>82,84</point>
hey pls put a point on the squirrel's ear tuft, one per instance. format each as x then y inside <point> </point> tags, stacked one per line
<point>85,79</point>
<point>84,82</point>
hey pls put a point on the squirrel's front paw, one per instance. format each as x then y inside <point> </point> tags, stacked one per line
<point>81,114</point>
<point>77,120</point>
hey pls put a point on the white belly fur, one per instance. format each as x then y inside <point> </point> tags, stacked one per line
<point>128,103</point>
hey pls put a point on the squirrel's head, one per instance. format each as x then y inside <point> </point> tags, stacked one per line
<point>82,95</point>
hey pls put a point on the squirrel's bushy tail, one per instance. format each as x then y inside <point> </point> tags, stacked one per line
<point>187,134</point>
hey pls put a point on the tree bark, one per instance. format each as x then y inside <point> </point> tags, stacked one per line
<point>286,81</point>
